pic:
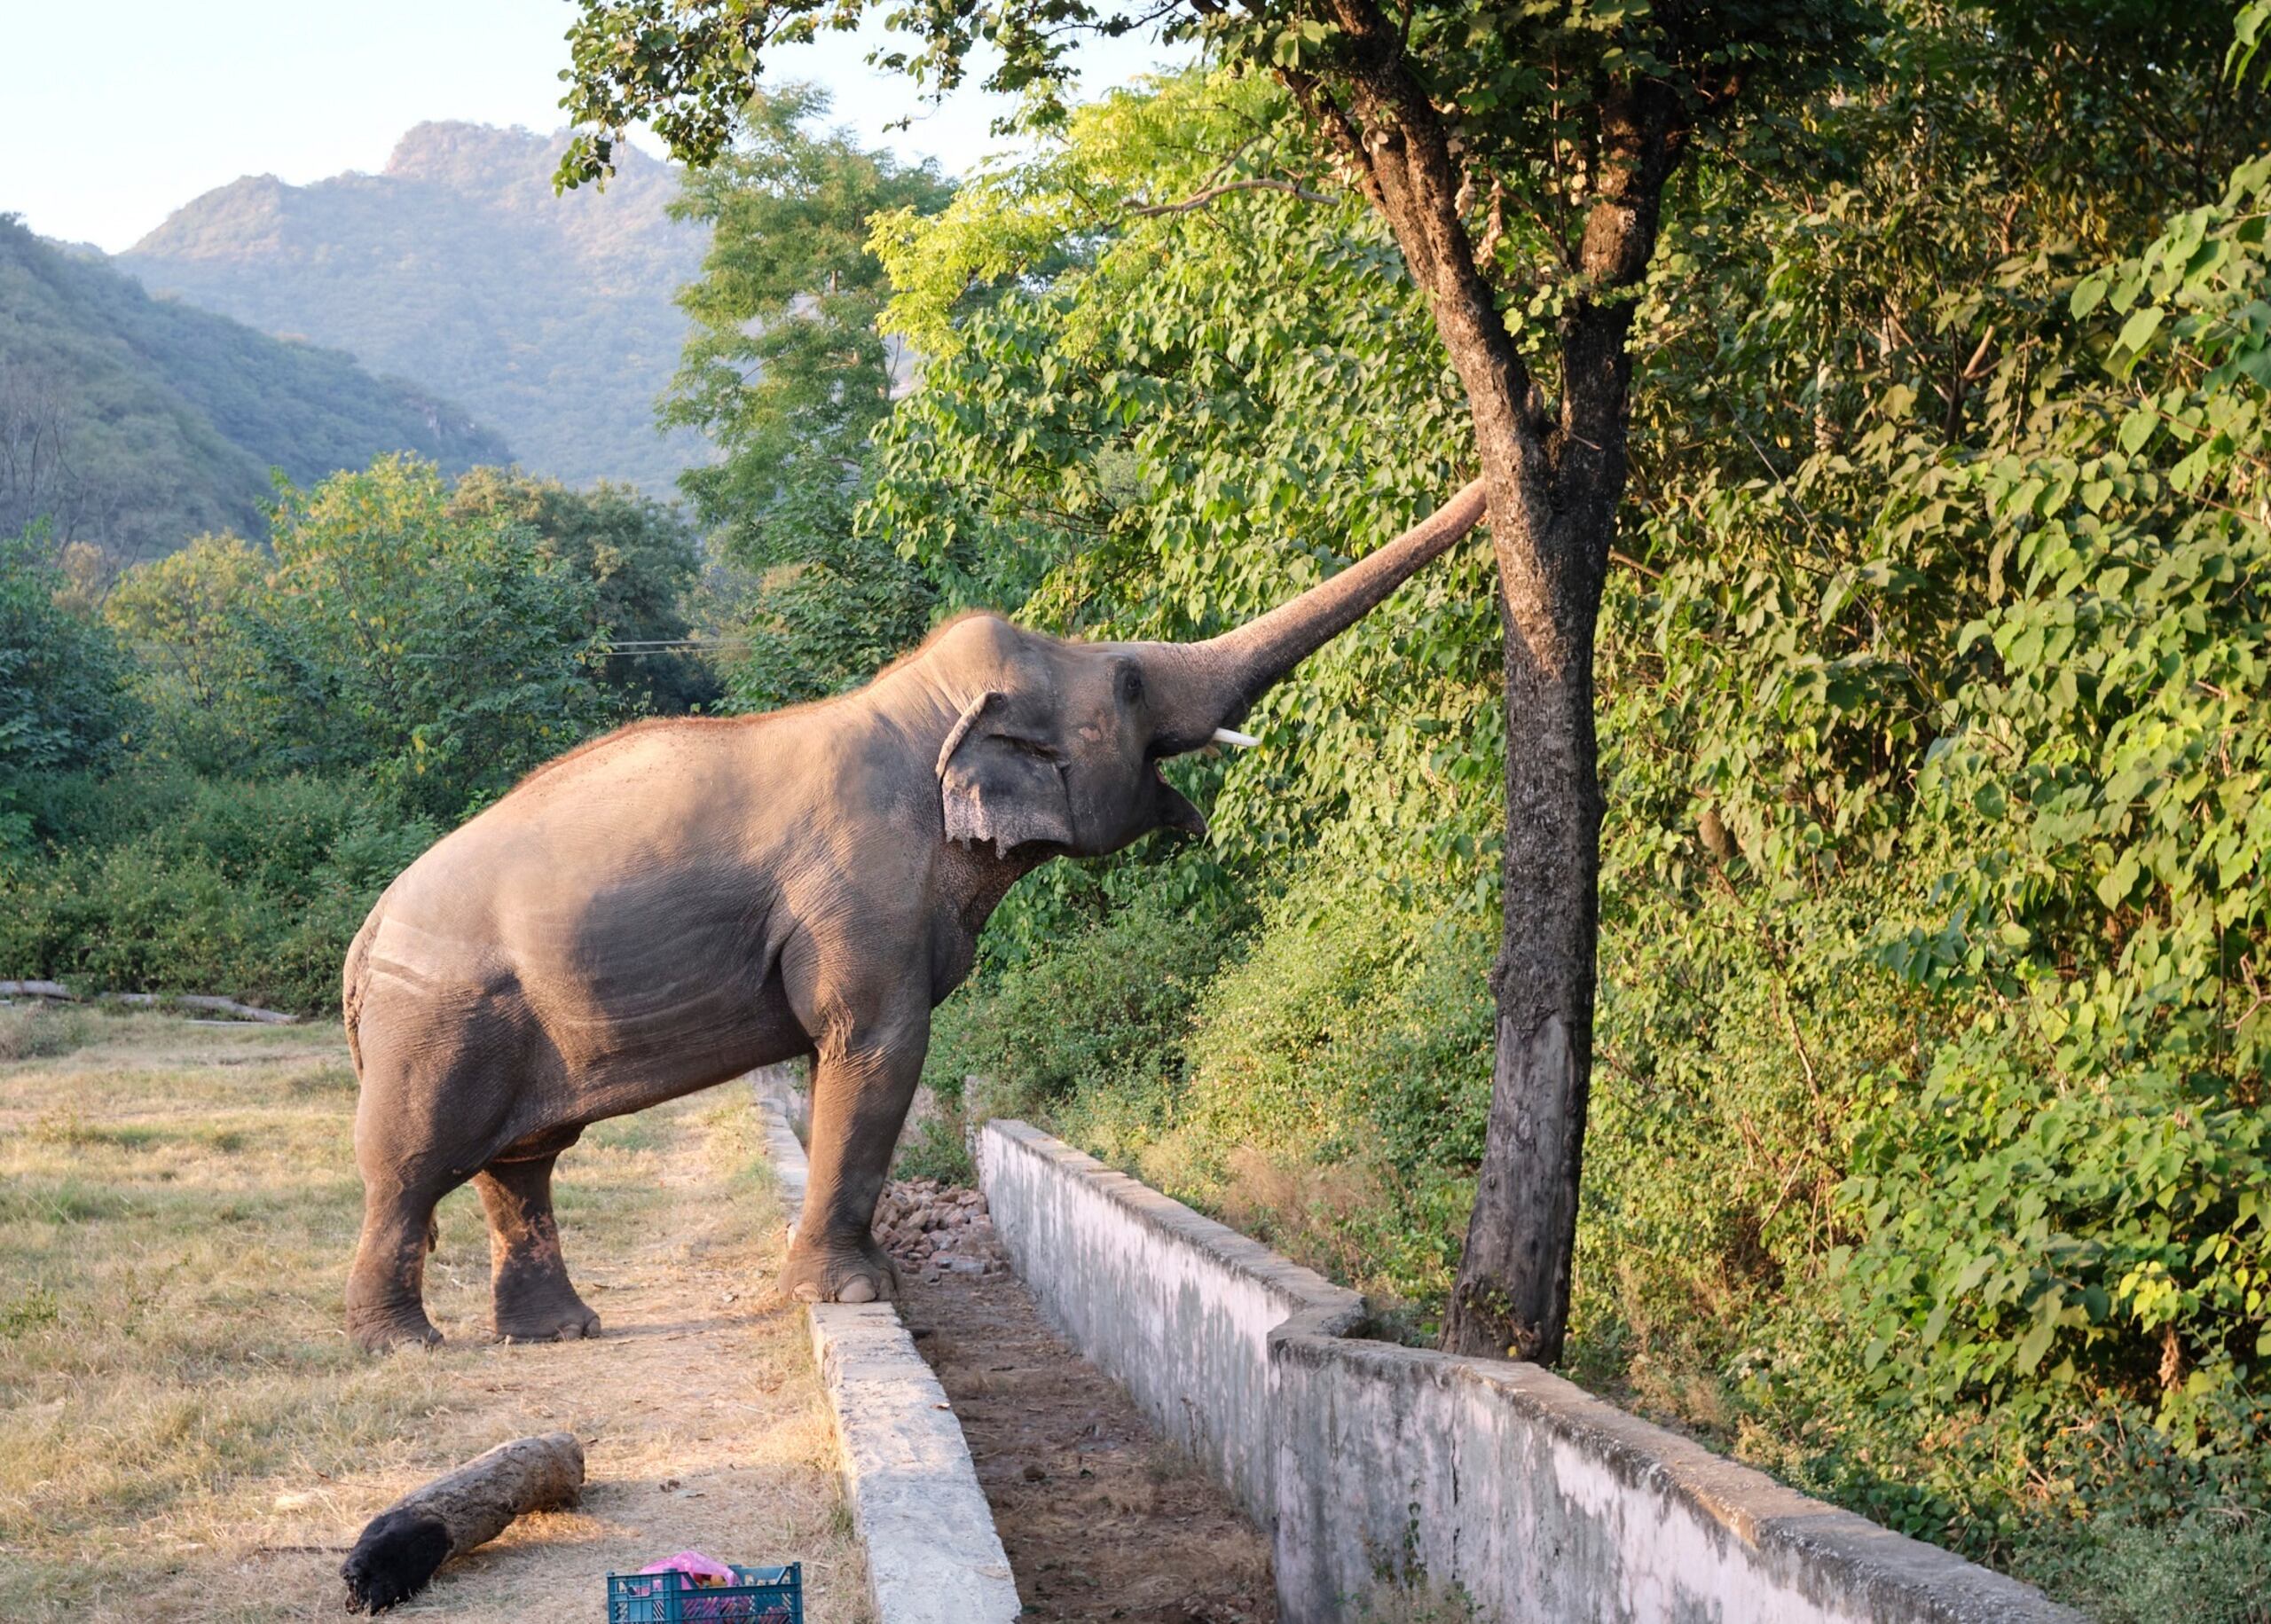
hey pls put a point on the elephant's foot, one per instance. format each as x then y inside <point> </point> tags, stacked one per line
<point>541,1308</point>
<point>845,1271</point>
<point>378,1332</point>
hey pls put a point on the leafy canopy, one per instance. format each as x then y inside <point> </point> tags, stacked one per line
<point>62,699</point>
<point>785,371</point>
<point>443,652</point>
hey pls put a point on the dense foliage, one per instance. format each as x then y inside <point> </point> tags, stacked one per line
<point>786,373</point>
<point>133,423</point>
<point>444,655</point>
<point>159,880</point>
<point>216,771</point>
<point>62,685</point>
<point>642,557</point>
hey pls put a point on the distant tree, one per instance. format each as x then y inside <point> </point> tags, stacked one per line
<point>440,653</point>
<point>785,370</point>
<point>639,553</point>
<point>446,654</point>
<point>40,480</point>
<point>1522,156</point>
<point>190,620</point>
<point>63,703</point>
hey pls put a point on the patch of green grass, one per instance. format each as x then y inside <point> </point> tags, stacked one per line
<point>28,1311</point>
<point>622,1134</point>
<point>335,1079</point>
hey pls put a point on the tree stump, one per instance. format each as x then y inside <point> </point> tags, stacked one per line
<point>404,1545</point>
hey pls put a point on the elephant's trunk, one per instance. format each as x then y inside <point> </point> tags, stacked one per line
<point>1216,681</point>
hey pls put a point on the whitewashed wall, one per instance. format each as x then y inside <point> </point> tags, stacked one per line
<point>1399,1483</point>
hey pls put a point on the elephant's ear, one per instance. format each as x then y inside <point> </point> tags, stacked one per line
<point>999,787</point>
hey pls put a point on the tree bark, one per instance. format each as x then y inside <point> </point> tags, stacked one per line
<point>1555,480</point>
<point>1512,1296</point>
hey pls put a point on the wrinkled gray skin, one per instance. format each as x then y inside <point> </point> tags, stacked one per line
<point>681,901</point>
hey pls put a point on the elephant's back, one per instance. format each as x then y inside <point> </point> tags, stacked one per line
<point>598,887</point>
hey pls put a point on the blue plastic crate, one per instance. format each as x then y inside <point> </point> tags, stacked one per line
<point>758,1596</point>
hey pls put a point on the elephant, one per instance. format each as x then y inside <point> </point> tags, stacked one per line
<point>684,900</point>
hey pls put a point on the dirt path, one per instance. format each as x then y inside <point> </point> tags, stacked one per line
<point>1100,1518</point>
<point>698,1410</point>
<point>187,1433</point>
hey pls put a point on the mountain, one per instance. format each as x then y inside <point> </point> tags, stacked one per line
<point>136,423</point>
<point>549,315</point>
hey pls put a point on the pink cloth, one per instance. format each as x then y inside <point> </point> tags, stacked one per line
<point>695,1565</point>
<point>689,1573</point>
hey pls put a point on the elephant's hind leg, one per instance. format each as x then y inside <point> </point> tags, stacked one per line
<point>386,1286</point>
<point>528,1285</point>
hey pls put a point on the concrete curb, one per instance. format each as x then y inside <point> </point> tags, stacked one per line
<point>787,1155</point>
<point>933,1555</point>
<point>1395,1479</point>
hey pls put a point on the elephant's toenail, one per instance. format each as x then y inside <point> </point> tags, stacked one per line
<point>861,1290</point>
<point>808,1293</point>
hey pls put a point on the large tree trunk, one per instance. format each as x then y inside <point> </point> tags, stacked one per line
<point>1512,1295</point>
<point>1555,477</point>
<point>1553,520</point>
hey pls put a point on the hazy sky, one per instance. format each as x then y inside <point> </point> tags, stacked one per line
<point>132,107</point>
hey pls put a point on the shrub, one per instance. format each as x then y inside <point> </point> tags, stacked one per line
<point>62,703</point>
<point>1105,1012</point>
<point>38,1032</point>
<point>252,890</point>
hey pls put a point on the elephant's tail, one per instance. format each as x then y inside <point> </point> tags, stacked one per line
<point>355,976</point>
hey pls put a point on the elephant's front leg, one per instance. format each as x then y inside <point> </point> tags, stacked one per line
<point>862,1088</point>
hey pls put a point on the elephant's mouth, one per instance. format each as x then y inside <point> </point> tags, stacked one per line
<point>1175,810</point>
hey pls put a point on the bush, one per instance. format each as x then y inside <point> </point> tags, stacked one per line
<point>2207,1567</point>
<point>1105,1012</point>
<point>176,884</point>
<point>429,641</point>
<point>62,703</point>
<point>39,1031</point>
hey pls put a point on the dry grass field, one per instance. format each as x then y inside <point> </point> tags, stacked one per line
<point>185,1433</point>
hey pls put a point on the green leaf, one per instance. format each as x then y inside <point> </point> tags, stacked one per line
<point>2138,331</point>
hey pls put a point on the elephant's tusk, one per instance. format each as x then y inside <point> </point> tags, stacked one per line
<point>1244,741</point>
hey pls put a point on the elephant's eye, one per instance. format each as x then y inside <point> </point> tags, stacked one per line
<point>1131,685</point>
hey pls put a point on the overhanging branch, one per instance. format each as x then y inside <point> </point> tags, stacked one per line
<point>1200,200</point>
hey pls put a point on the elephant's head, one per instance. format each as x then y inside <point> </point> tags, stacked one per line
<point>1056,744</point>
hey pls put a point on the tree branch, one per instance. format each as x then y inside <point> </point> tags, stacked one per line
<point>1416,182</point>
<point>1200,200</point>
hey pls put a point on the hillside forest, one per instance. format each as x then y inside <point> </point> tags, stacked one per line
<point>128,423</point>
<point>547,319</point>
<point>1928,1159</point>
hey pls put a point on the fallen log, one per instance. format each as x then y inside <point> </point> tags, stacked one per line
<point>405,1544</point>
<point>61,993</point>
<point>206,1000</point>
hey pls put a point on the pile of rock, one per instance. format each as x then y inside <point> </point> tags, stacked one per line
<point>934,1229</point>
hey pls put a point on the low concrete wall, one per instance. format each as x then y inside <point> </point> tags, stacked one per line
<point>1400,1483</point>
<point>934,1554</point>
<point>1177,1307</point>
